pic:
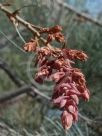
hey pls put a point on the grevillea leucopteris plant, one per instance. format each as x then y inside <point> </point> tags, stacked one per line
<point>57,64</point>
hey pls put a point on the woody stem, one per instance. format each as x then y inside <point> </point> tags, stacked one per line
<point>28,25</point>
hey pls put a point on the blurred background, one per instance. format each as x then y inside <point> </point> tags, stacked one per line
<point>34,117</point>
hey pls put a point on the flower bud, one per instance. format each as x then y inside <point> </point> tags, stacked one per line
<point>66,119</point>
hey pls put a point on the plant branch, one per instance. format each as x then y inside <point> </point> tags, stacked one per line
<point>5,130</point>
<point>30,90</point>
<point>13,75</point>
<point>4,41</point>
<point>28,25</point>
<point>83,15</point>
<point>22,90</point>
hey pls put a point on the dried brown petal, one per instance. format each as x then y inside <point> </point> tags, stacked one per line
<point>63,103</point>
<point>31,46</point>
<point>66,119</point>
<point>59,37</point>
<point>86,95</point>
<point>71,109</point>
<point>54,29</point>
<point>57,76</point>
<point>75,98</point>
<point>74,54</point>
<point>44,51</point>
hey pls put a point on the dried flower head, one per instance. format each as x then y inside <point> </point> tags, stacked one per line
<point>57,65</point>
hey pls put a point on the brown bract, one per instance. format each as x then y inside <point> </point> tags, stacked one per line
<point>54,33</point>
<point>74,54</point>
<point>51,30</point>
<point>31,46</point>
<point>66,119</point>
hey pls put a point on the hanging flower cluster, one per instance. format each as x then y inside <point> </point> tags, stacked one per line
<point>56,64</point>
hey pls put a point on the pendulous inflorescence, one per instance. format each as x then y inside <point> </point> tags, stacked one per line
<point>56,64</point>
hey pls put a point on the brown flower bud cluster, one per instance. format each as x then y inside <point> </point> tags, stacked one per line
<point>54,33</point>
<point>57,66</point>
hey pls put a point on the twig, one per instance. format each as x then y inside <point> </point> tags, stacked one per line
<point>11,95</point>
<point>4,41</point>
<point>13,43</point>
<point>28,25</point>
<point>13,75</point>
<point>20,20</point>
<point>5,130</point>
<point>89,121</point>
<point>24,89</point>
<point>30,90</point>
<point>83,15</point>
